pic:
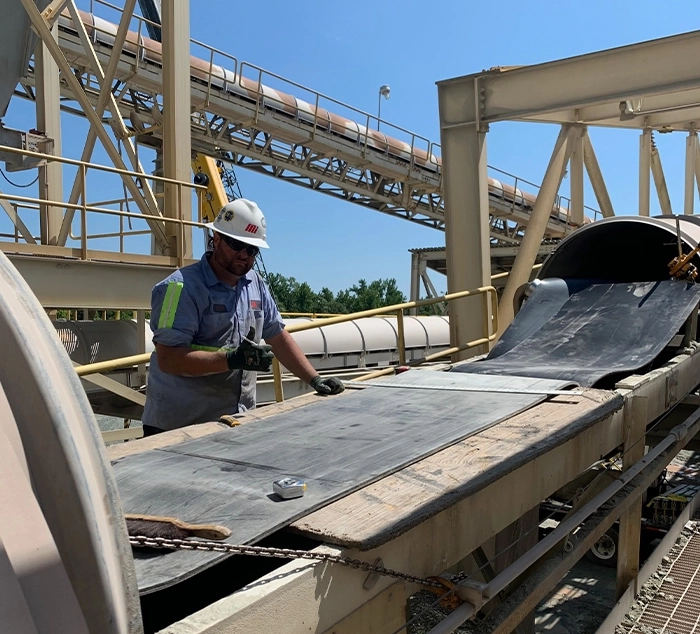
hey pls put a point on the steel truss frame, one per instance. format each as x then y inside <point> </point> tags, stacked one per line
<point>225,126</point>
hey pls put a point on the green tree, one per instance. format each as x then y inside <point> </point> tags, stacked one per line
<point>294,296</point>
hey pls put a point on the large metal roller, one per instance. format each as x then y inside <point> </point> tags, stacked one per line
<point>65,560</point>
<point>623,249</point>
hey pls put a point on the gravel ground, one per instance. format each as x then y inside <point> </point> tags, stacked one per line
<point>426,615</point>
<point>577,606</point>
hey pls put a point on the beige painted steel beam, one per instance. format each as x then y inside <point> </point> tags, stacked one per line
<point>615,75</point>
<point>657,172</point>
<point>141,376</point>
<point>631,520</point>
<point>697,168</point>
<point>16,220</point>
<point>524,261</point>
<point>53,10</point>
<point>576,168</point>
<point>644,172</point>
<point>672,111</point>
<point>430,292</point>
<point>45,34</point>
<point>177,146</point>
<point>94,285</point>
<point>691,152</point>
<point>596,177</point>
<point>106,98</point>
<point>115,387</point>
<point>417,266</point>
<point>465,190</point>
<point>48,120</point>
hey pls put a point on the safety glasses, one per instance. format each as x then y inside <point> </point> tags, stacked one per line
<point>237,245</point>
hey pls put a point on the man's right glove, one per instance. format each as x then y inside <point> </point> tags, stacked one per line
<point>329,385</point>
<point>250,355</point>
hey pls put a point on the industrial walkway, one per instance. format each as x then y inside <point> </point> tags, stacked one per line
<point>240,113</point>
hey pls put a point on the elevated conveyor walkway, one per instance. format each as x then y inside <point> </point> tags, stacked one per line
<point>254,118</point>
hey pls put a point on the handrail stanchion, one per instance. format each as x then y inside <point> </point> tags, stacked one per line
<point>277,376</point>
<point>207,101</point>
<point>181,226</point>
<point>401,336</point>
<point>313,132</point>
<point>83,213</point>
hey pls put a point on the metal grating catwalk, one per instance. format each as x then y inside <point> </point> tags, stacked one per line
<point>676,607</point>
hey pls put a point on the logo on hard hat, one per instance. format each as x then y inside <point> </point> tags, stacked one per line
<point>228,216</point>
<point>251,228</point>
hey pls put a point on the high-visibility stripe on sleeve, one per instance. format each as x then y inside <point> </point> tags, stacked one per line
<point>169,307</point>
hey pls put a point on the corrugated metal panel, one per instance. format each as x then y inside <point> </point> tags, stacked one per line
<point>379,333</point>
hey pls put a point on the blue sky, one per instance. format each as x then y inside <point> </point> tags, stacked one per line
<point>347,50</point>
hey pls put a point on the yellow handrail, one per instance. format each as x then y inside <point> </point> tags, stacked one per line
<point>112,364</point>
<point>313,315</point>
<point>490,333</point>
<point>490,330</point>
<point>315,323</point>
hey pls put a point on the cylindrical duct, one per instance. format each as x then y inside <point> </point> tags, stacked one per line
<point>623,249</point>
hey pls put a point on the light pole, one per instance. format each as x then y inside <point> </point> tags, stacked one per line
<point>384,91</point>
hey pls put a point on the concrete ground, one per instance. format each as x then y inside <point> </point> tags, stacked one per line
<point>580,603</point>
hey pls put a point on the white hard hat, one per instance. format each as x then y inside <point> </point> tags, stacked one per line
<point>242,219</point>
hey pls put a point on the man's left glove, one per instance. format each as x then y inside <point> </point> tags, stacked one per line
<point>250,356</point>
<point>329,385</point>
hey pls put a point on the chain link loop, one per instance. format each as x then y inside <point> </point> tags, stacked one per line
<point>281,553</point>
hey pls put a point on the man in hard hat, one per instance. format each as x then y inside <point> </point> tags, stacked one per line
<point>207,321</point>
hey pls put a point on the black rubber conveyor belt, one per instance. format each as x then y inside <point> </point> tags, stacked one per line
<point>585,332</point>
<point>337,446</point>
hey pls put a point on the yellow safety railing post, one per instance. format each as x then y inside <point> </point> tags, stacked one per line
<point>401,337</point>
<point>277,377</point>
<point>83,213</point>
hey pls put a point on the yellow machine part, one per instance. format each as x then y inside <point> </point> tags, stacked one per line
<point>215,197</point>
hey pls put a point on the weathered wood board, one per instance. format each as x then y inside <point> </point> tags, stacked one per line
<point>388,508</point>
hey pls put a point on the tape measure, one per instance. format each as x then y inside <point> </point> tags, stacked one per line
<point>289,488</point>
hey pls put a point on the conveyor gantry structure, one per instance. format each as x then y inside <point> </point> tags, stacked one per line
<point>239,116</point>
<point>423,474</point>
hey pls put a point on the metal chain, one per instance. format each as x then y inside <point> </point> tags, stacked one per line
<point>282,553</point>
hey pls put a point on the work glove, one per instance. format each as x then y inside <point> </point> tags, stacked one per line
<point>250,356</point>
<point>329,385</point>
